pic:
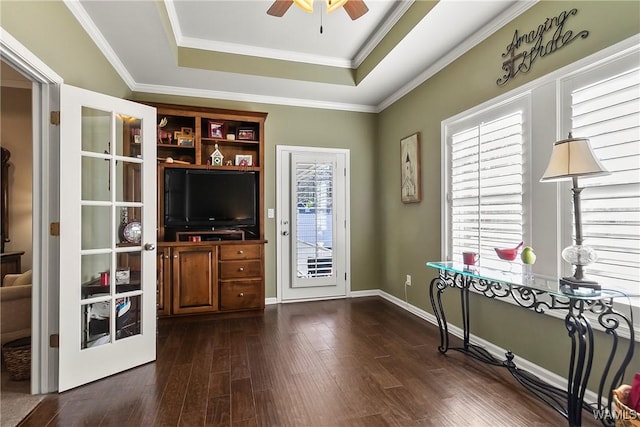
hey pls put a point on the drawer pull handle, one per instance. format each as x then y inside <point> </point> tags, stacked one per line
<point>175,256</point>
<point>241,269</point>
<point>240,251</point>
<point>241,294</point>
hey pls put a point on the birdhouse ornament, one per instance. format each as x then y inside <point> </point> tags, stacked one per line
<point>217,157</point>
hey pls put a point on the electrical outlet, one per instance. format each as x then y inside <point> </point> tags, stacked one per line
<point>408,282</point>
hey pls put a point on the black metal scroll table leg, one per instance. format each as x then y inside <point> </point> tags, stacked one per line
<point>436,288</point>
<point>580,362</point>
<point>464,304</point>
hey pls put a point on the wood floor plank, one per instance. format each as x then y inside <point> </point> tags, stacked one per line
<point>242,407</point>
<point>352,362</point>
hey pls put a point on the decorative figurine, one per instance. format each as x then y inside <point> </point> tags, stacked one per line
<point>216,157</point>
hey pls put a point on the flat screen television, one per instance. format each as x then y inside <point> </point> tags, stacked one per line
<point>200,199</point>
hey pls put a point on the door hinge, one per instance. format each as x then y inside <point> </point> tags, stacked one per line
<point>54,229</point>
<point>54,340</point>
<point>55,118</point>
<point>345,276</point>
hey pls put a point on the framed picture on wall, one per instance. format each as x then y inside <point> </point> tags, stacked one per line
<point>410,174</point>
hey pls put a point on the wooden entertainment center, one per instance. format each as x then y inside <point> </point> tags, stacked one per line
<point>200,269</point>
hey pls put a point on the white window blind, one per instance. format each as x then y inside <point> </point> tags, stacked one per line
<point>314,219</point>
<point>608,113</point>
<point>486,188</point>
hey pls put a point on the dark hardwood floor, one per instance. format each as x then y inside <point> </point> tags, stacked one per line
<point>353,362</point>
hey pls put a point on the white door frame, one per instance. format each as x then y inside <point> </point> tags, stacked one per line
<point>280,241</point>
<point>45,199</point>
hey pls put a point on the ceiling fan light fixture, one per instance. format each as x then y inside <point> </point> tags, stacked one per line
<point>334,5</point>
<point>306,5</point>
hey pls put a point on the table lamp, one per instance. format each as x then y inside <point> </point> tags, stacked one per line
<point>570,159</point>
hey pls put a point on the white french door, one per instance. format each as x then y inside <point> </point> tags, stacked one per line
<point>107,236</point>
<point>313,238</point>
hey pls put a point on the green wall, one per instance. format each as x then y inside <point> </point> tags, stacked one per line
<point>411,233</point>
<point>389,239</point>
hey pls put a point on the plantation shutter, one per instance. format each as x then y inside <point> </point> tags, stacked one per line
<point>486,189</point>
<point>608,113</point>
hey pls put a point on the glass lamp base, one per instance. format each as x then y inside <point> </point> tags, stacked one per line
<point>579,255</point>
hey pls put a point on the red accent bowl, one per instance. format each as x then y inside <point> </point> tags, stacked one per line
<point>508,254</point>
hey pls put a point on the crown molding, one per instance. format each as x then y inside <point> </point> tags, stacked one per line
<point>486,31</point>
<point>83,18</point>
<point>262,52</point>
<point>245,97</point>
<point>375,40</point>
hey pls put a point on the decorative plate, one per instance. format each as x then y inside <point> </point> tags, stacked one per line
<point>132,232</point>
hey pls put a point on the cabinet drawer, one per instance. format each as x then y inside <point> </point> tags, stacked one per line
<point>240,269</point>
<point>233,252</point>
<point>241,294</point>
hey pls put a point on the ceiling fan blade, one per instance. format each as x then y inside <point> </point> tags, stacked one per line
<point>279,7</point>
<point>355,8</point>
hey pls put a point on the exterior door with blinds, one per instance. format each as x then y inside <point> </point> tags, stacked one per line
<point>312,224</point>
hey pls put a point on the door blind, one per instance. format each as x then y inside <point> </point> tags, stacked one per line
<point>608,113</point>
<point>486,188</point>
<point>314,219</point>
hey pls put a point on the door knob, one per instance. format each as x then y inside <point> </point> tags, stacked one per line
<point>149,246</point>
<point>285,233</point>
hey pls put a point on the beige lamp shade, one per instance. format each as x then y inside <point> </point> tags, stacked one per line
<point>572,157</point>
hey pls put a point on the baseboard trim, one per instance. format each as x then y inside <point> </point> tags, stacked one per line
<point>499,352</point>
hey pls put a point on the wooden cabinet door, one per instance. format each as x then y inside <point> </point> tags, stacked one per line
<point>195,279</point>
<point>164,281</point>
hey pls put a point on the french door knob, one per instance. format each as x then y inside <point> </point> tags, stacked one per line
<point>149,246</point>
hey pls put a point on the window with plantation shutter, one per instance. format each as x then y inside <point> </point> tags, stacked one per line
<point>486,182</point>
<point>608,113</point>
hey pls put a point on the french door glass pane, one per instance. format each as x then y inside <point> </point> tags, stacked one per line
<point>95,179</point>
<point>96,325</point>
<point>314,219</point>
<point>96,227</point>
<point>96,130</point>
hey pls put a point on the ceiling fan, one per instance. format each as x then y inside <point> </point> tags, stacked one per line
<point>354,8</point>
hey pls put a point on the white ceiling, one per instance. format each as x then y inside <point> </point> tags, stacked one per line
<point>134,39</point>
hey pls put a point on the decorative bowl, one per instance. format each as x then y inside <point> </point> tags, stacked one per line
<point>508,254</point>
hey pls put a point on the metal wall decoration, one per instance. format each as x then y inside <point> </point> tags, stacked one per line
<point>549,37</point>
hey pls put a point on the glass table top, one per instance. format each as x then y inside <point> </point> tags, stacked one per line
<point>526,279</point>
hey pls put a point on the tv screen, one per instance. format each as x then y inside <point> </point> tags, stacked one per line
<point>200,199</point>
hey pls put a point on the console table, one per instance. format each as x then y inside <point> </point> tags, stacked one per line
<point>539,294</point>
